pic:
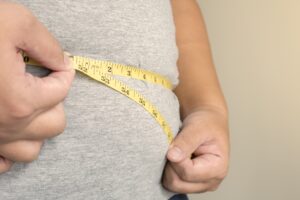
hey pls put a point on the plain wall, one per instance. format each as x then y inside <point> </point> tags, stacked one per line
<point>256,49</point>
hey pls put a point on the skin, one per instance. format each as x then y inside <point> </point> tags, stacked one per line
<point>31,108</point>
<point>198,156</point>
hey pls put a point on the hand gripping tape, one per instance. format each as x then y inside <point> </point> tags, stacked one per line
<point>101,71</point>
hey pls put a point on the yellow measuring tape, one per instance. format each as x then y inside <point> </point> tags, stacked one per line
<point>101,71</point>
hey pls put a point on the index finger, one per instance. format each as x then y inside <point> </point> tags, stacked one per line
<point>40,45</point>
<point>203,168</point>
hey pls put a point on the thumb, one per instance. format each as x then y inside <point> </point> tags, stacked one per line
<point>40,45</point>
<point>184,144</point>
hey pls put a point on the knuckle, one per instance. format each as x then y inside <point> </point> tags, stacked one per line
<point>59,128</point>
<point>19,110</point>
<point>186,175</point>
<point>60,123</point>
<point>47,125</point>
<point>62,120</point>
<point>165,183</point>
<point>214,187</point>
<point>174,185</point>
<point>222,175</point>
<point>20,17</point>
<point>171,184</point>
<point>31,152</point>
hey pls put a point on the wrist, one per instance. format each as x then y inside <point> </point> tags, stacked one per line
<point>219,110</point>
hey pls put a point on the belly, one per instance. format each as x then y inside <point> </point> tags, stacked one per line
<point>111,147</point>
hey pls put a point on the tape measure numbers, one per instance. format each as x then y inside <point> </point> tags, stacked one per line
<point>101,71</point>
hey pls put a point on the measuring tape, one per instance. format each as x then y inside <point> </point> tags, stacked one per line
<point>101,71</point>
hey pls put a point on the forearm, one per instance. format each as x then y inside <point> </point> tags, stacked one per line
<point>199,87</point>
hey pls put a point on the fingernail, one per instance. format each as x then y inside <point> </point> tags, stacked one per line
<point>175,153</point>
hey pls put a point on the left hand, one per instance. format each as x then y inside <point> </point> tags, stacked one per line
<point>203,162</point>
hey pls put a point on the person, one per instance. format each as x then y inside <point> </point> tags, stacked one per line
<point>110,148</point>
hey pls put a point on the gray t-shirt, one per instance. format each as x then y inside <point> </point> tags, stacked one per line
<point>111,148</point>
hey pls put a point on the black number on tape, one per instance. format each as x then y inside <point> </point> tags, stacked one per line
<point>124,90</point>
<point>104,79</point>
<point>142,101</point>
<point>154,113</point>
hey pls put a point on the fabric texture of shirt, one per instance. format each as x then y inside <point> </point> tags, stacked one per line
<point>112,148</point>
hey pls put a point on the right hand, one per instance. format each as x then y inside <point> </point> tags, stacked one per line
<point>31,108</point>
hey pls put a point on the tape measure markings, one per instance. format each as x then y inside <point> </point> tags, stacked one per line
<point>118,69</point>
<point>102,70</point>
